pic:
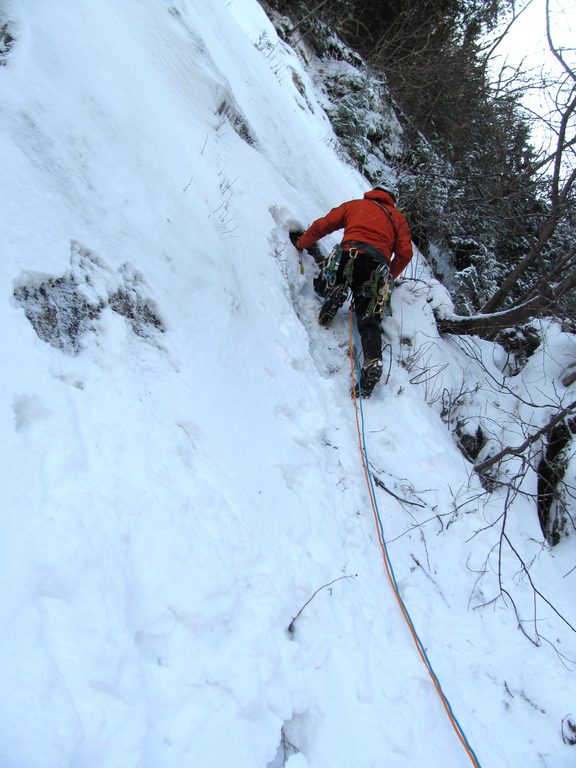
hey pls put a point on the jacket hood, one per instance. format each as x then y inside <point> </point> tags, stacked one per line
<point>380,196</point>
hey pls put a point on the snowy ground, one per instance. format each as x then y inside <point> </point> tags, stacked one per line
<point>181,465</point>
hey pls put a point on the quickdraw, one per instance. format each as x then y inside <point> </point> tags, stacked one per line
<point>349,268</point>
<point>331,267</point>
<point>330,270</point>
<point>379,289</point>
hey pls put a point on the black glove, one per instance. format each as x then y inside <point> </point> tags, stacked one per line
<point>295,236</point>
<point>316,253</point>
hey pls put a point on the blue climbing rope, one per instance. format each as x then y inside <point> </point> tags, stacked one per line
<point>388,562</point>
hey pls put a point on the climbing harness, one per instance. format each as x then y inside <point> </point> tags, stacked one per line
<point>377,288</point>
<point>336,279</point>
<point>357,396</point>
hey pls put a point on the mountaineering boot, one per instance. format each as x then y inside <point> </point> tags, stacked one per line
<point>369,377</point>
<point>334,300</point>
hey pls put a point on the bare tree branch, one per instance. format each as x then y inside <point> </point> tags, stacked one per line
<point>520,449</point>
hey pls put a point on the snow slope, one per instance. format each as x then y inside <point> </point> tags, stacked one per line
<point>181,467</point>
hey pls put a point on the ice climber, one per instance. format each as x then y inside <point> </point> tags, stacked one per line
<point>376,247</point>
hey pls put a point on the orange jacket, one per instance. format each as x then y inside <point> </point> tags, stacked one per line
<point>364,221</point>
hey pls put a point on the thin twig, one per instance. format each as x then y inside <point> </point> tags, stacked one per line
<point>380,484</point>
<point>291,625</point>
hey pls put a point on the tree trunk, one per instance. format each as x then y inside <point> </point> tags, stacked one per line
<point>551,469</point>
<point>488,326</point>
<point>545,234</point>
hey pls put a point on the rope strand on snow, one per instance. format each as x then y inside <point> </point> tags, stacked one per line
<point>358,407</point>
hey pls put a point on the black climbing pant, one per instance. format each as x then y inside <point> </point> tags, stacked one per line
<point>366,276</point>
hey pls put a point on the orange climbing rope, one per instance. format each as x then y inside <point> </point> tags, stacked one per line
<point>388,565</point>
